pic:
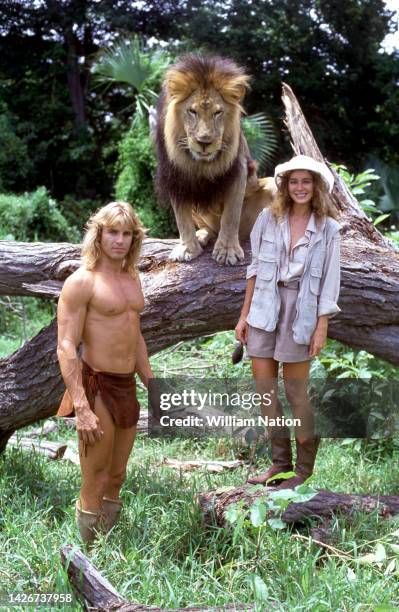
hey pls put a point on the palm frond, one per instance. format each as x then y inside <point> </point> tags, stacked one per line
<point>127,62</point>
<point>261,137</point>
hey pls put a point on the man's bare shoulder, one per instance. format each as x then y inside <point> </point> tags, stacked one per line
<point>79,285</point>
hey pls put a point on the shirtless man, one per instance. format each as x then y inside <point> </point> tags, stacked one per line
<point>100,306</point>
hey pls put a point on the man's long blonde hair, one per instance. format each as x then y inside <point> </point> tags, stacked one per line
<point>322,205</point>
<point>108,216</point>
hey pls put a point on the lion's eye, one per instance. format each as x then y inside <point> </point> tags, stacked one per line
<point>218,113</point>
<point>192,112</point>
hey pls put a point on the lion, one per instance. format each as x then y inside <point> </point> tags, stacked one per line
<point>204,165</point>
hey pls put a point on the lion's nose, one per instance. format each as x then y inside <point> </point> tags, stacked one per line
<point>204,140</point>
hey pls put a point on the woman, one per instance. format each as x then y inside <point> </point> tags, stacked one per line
<point>292,290</point>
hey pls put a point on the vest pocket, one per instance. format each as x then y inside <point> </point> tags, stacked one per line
<point>268,246</point>
<point>267,267</point>
<point>318,257</point>
<point>315,278</point>
<point>263,311</point>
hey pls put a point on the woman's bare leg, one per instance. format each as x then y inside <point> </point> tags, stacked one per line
<point>296,378</point>
<point>265,372</point>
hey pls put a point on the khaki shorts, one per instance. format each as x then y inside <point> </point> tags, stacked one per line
<point>279,344</point>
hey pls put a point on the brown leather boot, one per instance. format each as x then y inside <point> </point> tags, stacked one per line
<point>88,523</point>
<point>281,458</point>
<point>111,511</point>
<point>305,459</point>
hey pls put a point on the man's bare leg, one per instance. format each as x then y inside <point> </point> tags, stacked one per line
<point>111,504</point>
<point>123,444</point>
<point>96,465</point>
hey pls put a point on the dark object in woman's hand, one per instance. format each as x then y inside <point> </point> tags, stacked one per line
<point>238,353</point>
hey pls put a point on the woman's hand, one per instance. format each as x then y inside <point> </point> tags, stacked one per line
<point>319,337</point>
<point>241,330</point>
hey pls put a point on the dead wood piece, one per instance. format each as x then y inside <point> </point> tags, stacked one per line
<point>197,464</point>
<point>53,450</point>
<point>88,583</point>
<point>142,425</point>
<point>72,455</point>
<point>48,427</point>
<point>98,593</point>
<point>325,504</point>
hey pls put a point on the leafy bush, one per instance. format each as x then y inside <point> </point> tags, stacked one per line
<point>388,196</point>
<point>15,163</point>
<point>134,184</point>
<point>21,318</point>
<point>34,216</point>
<point>359,185</point>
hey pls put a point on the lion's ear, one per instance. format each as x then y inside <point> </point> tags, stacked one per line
<point>234,89</point>
<point>179,84</point>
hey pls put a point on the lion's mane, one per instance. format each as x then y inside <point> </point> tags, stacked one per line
<point>179,177</point>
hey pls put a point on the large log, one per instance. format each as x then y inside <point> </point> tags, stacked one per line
<point>201,297</point>
<point>322,506</point>
<point>98,593</point>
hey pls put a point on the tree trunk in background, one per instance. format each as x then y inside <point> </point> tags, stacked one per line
<point>74,77</point>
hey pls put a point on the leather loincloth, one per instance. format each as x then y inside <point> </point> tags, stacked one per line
<point>117,391</point>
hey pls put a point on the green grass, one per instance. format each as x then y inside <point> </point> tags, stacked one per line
<point>161,554</point>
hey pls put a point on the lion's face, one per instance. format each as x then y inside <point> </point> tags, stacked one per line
<point>203,117</point>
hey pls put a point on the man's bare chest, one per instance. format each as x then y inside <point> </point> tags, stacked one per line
<point>112,297</point>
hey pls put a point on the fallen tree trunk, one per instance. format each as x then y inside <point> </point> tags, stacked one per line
<point>323,505</point>
<point>98,593</point>
<point>52,450</point>
<point>197,298</point>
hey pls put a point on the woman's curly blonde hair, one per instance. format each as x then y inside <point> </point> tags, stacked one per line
<point>321,204</point>
<point>108,216</point>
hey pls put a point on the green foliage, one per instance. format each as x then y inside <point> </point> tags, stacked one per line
<point>135,178</point>
<point>63,133</point>
<point>360,184</point>
<point>389,182</point>
<point>176,562</point>
<point>267,511</point>
<point>345,362</point>
<point>15,163</point>
<point>261,137</point>
<point>21,318</point>
<point>34,216</point>
<point>127,62</point>
<point>394,236</point>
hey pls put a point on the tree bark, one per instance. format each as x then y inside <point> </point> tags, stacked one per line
<point>326,503</point>
<point>74,78</point>
<point>98,593</point>
<point>197,298</point>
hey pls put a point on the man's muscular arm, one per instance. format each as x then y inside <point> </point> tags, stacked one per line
<point>71,316</point>
<point>143,366</point>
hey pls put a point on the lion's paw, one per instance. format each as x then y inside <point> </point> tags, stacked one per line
<point>183,252</point>
<point>229,255</point>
